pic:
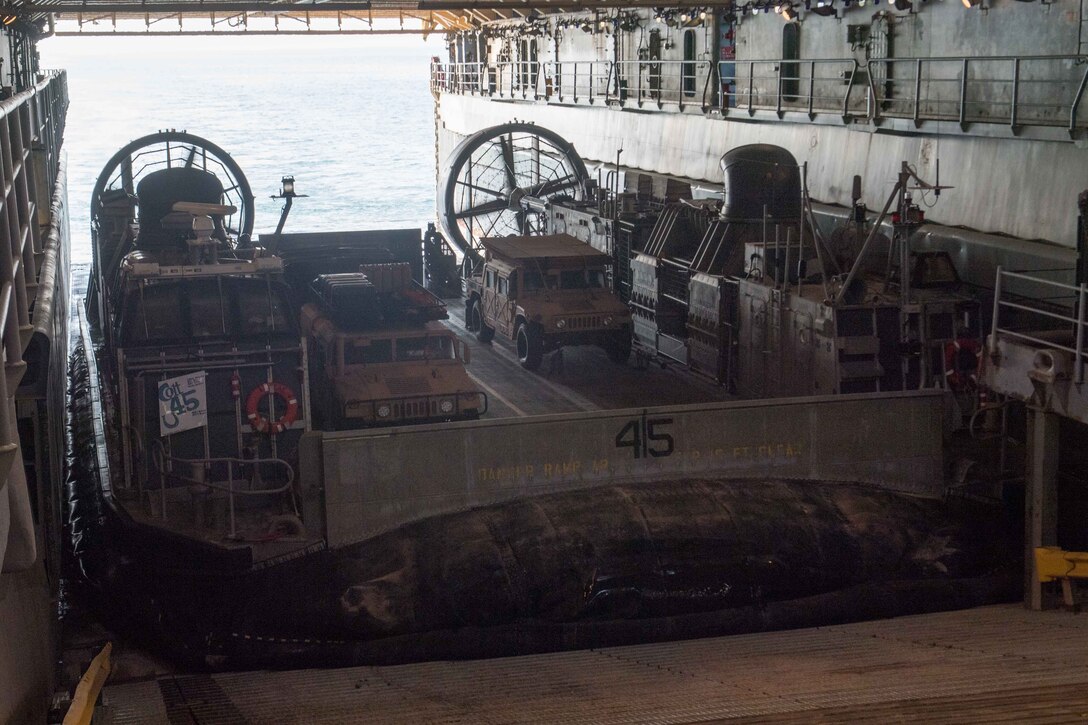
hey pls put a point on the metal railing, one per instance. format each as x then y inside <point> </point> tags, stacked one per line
<point>207,467</point>
<point>684,84</point>
<point>1064,313</point>
<point>813,87</point>
<point>1014,91</point>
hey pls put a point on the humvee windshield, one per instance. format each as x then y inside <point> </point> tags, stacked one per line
<point>425,348</point>
<point>368,352</point>
<point>565,279</point>
<point>581,279</point>
<point>377,351</point>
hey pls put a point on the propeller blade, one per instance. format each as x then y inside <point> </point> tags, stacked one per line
<point>507,143</point>
<point>488,207</point>
<point>554,185</point>
<point>483,189</point>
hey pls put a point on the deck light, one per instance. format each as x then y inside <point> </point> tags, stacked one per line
<point>287,187</point>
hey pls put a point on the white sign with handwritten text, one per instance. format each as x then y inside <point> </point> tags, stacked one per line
<point>183,403</point>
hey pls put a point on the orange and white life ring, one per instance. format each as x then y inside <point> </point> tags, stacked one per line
<point>962,362</point>
<point>262,424</point>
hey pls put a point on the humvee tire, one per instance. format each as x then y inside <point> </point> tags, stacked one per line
<point>619,349</point>
<point>530,345</point>
<point>470,309</point>
<point>483,333</point>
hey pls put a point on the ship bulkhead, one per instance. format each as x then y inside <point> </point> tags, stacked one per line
<point>984,99</point>
<point>34,279</point>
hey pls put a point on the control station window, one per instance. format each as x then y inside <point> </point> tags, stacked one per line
<point>156,313</point>
<point>206,312</point>
<point>262,312</point>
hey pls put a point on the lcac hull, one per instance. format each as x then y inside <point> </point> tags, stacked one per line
<point>611,565</point>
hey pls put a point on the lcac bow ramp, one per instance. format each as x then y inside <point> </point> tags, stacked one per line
<point>369,482</point>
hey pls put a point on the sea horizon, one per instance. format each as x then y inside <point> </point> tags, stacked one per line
<point>352,119</point>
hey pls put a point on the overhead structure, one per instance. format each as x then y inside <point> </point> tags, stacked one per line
<point>500,177</point>
<point>43,18</point>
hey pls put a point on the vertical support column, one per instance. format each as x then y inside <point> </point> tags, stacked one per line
<point>1041,499</point>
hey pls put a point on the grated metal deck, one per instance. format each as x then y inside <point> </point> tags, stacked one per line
<point>991,664</point>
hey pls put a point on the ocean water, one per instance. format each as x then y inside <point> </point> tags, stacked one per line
<point>351,118</point>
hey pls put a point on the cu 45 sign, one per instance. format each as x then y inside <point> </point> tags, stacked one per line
<point>183,403</point>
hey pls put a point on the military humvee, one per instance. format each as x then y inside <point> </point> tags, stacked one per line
<point>379,356</point>
<point>543,293</point>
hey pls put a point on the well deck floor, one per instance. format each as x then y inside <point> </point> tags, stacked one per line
<point>990,664</point>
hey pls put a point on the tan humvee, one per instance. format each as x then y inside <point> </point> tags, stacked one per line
<point>546,292</point>
<point>402,368</point>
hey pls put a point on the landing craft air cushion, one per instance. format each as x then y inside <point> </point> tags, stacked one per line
<point>234,532</point>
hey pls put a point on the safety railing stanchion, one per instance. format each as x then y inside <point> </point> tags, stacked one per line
<point>811,89</point>
<point>917,92</point>
<point>1078,373</point>
<point>997,309</point>
<point>963,94</point>
<point>1014,106</point>
<point>230,496</point>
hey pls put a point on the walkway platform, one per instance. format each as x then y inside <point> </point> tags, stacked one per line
<point>990,664</point>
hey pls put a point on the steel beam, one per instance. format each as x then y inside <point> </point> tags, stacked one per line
<point>64,8</point>
<point>566,5</point>
<point>315,31</point>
